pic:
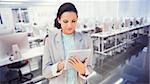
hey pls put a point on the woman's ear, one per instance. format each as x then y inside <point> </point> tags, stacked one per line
<point>58,19</point>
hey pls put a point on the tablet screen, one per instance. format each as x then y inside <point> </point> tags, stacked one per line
<point>82,54</point>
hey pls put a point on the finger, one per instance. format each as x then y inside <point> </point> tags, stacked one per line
<point>64,61</point>
<point>79,61</point>
<point>71,62</point>
<point>63,64</point>
<point>76,59</point>
<point>72,59</point>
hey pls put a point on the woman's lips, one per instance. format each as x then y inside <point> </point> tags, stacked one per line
<point>69,29</point>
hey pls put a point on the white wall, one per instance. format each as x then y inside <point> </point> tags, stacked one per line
<point>42,15</point>
<point>134,8</point>
<point>89,10</point>
<point>106,8</point>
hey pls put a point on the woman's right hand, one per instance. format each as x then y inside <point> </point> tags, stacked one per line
<point>60,66</point>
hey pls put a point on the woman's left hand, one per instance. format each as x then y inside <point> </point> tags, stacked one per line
<point>77,65</point>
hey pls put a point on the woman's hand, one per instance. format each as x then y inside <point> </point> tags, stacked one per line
<point>60,66</point>
<point>77,65</point>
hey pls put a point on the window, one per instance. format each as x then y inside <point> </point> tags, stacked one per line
<point>20,15</point>
<point>21,19</point>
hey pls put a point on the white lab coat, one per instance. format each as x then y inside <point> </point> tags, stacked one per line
<point>54,52</point>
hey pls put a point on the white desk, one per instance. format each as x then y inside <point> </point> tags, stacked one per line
<point>34,52</point>
<point>31,39</point>
<point>115,33</point>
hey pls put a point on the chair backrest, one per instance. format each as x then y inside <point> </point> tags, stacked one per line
<point>117,23</point>
<point>108,24</point>
<point>97,30</point>
<point>45,39</point>
<point>127,22</point>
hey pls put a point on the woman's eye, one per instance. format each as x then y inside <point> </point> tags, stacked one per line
<point>65,21</point>
<point>74,21</point>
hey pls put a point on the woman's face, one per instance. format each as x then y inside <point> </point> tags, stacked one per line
<point>68,21</point>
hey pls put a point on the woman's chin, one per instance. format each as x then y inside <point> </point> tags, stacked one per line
<point>69,32</point>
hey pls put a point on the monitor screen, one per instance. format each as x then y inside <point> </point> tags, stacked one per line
<point>5,30</point>
<point>6,42</point>
<point>127,22</point>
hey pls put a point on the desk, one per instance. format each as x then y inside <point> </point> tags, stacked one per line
<point>33,52</point>
<point>124,33</point>
<point>35,41</point>
<point>31,39</point>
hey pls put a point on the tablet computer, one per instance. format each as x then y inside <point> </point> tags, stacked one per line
<point>82,54</point>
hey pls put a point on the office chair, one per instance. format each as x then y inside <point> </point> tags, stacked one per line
<point>18,65</point>
<point>38,41</point>
<point>98,29</point>
<point>45,39</point>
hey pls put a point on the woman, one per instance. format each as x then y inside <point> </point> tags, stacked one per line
<point>57,46</point>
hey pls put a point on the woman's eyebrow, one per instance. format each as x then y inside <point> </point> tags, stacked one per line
<point>65,20</point>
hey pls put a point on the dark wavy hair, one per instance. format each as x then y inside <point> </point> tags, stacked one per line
<point>66,7</point>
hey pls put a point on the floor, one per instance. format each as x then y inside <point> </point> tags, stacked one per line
<point>131,67</point>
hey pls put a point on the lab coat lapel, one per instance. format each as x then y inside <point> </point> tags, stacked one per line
<point>59,45</point>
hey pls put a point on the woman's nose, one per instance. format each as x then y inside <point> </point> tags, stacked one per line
<point>69,25</point>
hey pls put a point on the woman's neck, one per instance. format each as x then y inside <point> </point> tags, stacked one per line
<point>65,34</point>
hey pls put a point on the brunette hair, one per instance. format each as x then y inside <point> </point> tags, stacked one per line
<point>66,7</point>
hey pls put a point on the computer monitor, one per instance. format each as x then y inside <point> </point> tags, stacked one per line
<point>127,22</point>
<point>4,30</point>
<point>6,42</point>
